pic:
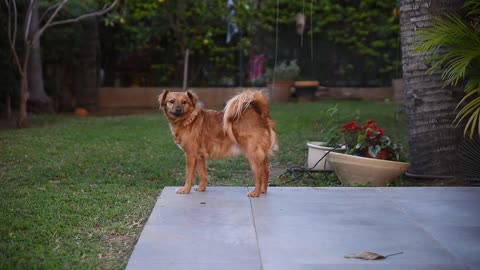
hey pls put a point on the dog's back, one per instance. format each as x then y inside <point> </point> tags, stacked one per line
<point>248,113</point>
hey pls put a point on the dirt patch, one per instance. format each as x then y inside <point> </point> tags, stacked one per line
<point>6,124</point>
<point>117,249</point>
<point>276,171</point>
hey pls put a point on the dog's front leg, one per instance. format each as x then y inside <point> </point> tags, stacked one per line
<point>190,174</point>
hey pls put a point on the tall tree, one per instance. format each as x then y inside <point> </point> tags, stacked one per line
<point>432,138</point>
<point>37,97</point>
<point>31,38</point>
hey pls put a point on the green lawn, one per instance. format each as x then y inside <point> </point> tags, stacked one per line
<point>76,192</point>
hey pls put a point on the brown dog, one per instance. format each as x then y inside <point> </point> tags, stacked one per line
<point>244,127</point>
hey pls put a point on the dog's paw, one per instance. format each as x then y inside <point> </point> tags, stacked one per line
<point>200,188</point>
<point>183,190</point>
<point>253,194</point>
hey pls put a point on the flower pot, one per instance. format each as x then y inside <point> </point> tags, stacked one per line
<point>355,170</point>
<point>317,151</point>
<point>280,91</point>
<point>382,154</point>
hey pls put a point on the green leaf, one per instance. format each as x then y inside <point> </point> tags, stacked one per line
<point>373,150</point>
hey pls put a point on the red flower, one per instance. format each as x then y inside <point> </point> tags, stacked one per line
<point>368,139</point>
<point>350,126</point>
<point>380,133</point>
<point>369,132</point>
<point>369,124</point>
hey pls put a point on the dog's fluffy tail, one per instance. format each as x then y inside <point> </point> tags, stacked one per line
<point>239,104</point>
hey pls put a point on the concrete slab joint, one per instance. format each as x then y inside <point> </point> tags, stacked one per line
<point>312,228</point>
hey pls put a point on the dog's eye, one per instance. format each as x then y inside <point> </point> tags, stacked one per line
<point>171,101</point>
<point>184,102</point>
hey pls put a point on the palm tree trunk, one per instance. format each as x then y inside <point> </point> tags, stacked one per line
<point>432,139</point>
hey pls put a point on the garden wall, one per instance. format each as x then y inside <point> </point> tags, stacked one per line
<point>112,100</point>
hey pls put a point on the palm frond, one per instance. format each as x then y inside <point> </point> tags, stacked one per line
<point>457,63</point>
<point>473,84</point>
<point>449,43</point>
<point>452,47</point>
<point>472,111</point>
<point>472,7</point>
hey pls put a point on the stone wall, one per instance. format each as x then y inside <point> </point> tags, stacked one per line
<point>136,100</point>
<point>356,93</point>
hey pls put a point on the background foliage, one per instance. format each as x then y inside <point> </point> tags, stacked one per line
<point>345,43</point>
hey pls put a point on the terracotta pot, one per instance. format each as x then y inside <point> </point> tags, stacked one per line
<point>280,91</point>
<point>382,154</point>
<point>355,170</point>
<point>80,112</point>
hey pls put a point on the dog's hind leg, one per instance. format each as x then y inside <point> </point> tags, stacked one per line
<point>256,161</point>
<point>202,174</point>
<point>190,175</point>
<point>266,171</point>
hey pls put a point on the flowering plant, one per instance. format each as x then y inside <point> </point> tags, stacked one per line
<point>370,141</point>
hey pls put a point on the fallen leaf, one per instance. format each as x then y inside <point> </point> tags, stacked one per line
<point>367,255</point>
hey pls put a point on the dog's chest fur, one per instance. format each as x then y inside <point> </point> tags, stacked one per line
<point>204,136</point>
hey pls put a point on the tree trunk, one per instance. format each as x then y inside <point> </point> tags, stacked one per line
<point>23,97</point>
<point>8,105</point>
<point>38,100</point>
<point>432,139</point>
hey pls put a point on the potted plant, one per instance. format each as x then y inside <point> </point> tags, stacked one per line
<point>318,151</point>
<point>280,80</point>
<point>370,141</point>
<point>371,156</point>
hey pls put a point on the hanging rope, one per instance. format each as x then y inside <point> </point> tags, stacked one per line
<point>276,51</point>
<point>311,30</point>
<point>303,11</point>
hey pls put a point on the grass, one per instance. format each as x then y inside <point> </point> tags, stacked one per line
<point>76,192</point>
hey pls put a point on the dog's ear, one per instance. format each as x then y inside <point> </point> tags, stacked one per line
<point>162,98</point>
<point>193,97</point>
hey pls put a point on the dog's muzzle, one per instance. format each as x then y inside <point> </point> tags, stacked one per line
<point>176,111</point>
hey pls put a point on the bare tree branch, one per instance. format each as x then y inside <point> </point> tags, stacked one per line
<point>13,36</point>
<point>29,19</point>
<point>93,14</point>
<point>15,14</point>
<point>48,10</point>
<point>50,22</point>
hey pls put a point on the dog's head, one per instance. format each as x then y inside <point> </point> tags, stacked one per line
<point>177,105</point>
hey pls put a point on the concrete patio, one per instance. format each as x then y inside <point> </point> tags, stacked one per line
<point>312,228</point>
